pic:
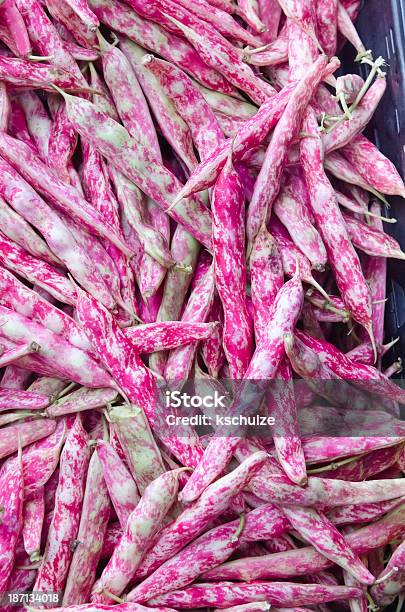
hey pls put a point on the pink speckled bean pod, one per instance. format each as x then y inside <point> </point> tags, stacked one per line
<point>263,367</point>
<point>17,229</point>
<point>343,133</point>
<point>172,126</point>
<point>228,105</point>
<point>250,136</point>
<point>340,167</point>
<point>33,517</point>
<point>81,399</point>
<point>37,76</point>
<point>275,53</point>
<point>302,561</point>
<point>138,445</point>
<point>38,121</point>
<point>64,197</point>
<point>371,240</point>
<point>10,16</point>
<point>190,104</point>
<point>302,49</point>
<point>348,30</point>
<point>120,484</point>
<point>90,536</point>
<point>138,164</point>
<point>16,296</point>
<point>73,22</point>
<point>195,518</point>
<point>390,582</point>
<point>128,96</point>
<point>373,166</point>
<point>212,350</point>
<point>22,197</point>
<point>270,14</point>
<point>63,529</point>
<point>155,38</point>
<point>366,377</point>
<point>69,361</point>
<point>5,107</point>
<point>361,513</point>
<point>62,144</point>
<point>180,360</point>
<point>267,183</point>
<point>221,21</point>
<point>326,17</point>
<point>315,528</point>
<point>248,10</point>
<point>228,239</point>
<point>22,400</point>
<point>227,61</point>
<point>225,594</point>
<point>209,550</point>
<point>141,527</point>
<point>14,354</point>
<point>341,254</point>
<point>11,501</point>
<point>49,386</point>
<point>294,215</point>
<point>166,335</point>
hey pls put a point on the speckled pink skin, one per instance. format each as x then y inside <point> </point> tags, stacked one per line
<point>341,254</point>
<point>38,213</point>
<point>326,17</point>
<point>10,16</point>
<point>180,360</point>
<point>226,59</point>
<point>81,399</point>
<point>268,183</point>
<point>263,366</point>
<point>302,561</point>
<point>282,406</point>
<point>33,517</point>
<point>120,484</point>
<point>209,550</point>
<point>194,519</point>
<point>22,400</point>
<point>250,136</point>
<point>93,525</point>
<point>166,335</point>
<point>128,97</point>
<point>366,377</point>
<point>136,162</point>
<point>11,501</point>
<point>270,14</point>
<point>189,103</point>
<point>37,76</point>
<point>372,240</point>
<point>276,53</point>
<point>155,38</point>
<point>392,578</point>
<point>81,26</point>
<point>64,197</point>
<point>347,130</point>
<point>226,594</point>
<point>342,169</point>
<point>141,527</point>
<point>294,215</point>
<point>228,239</point>
<point>248,10</point>
<point>58,553</point>
<point>15,258</point>
<point>266,277</point>
<point>347,29</point>
<point>315,528</point>
<point>69,361</point>
<point>302,49</point>
<point>373,166</point>
<point>15,353</point>
<point>362,513</point>
<point>62,144</point>
<point>211,349</point>
<point>27,432</point>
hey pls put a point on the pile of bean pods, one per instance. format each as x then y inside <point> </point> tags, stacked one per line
<point>186,196</point>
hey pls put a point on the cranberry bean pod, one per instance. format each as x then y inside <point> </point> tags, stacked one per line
<point>38,121</point>
<point>81,399</point>
<point>22,400</point>
<point>371,240</point>
<point>27,432</point>
<point>166,335</point>
<point>248,10</point>
<point>33,517</point>
<point>141,527</point>
<point>263,366</point>
<point>52,573</point>
<point>366,513</point>
<point>327,25</point>
<point>65,15</point>
<point>228,239</point>
<point>352,285</point>
<point>90,536</point>
<point>11,500</point>
<point>340,167</point>
<point>267,183</point>
<point>62,144</point>
<point>11,17</point>
<point>275,53</point>
<point>302,48</point>
<point>225,594</point>
<point>390,582</point>
<point>234,107</point>
<point>27,74</point>
<point>348,30</point>
<point>120,484</point>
